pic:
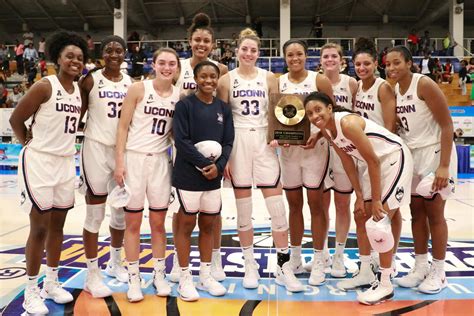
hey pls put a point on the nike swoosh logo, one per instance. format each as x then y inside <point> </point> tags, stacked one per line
<point>100,87</point>
<point>59,99</point>
<point>437,151</point>
<point>236,86</point>
<point>149,102</point>
<point>393,163</point>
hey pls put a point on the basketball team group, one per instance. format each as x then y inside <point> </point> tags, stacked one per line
<point>387,146</point>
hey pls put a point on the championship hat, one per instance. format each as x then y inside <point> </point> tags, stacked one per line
<point>424,187</point>
<point>380,234</point>
<point>210,149</point>
<point>118,196</point>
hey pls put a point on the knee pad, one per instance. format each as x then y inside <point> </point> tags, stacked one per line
<point>276,209</point>
<point>244,214</point>
<point>95,214</point>
<point>117,218</point>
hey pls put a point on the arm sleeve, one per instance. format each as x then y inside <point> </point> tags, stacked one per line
<point>228,139</point>
<point>182,137</point>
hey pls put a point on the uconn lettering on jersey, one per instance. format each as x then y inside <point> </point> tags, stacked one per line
<point>158,111</point>
<point>341,99</point>
<point>248,93</point>
<point>112,94</point>
<point>364,105</point>
<point>348,148</point>
<point>63,107</point>
<point>406,109</point>
<point>189,86</point>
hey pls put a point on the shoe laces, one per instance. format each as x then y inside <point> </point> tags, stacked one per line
<point>33,293</point>
<point>433,274</point>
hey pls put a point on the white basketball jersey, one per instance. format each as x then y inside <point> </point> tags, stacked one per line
<point>304,87</point>
<point>105,102</point>
<point>186,83</point>
<point>55,123</point>
<point>249,99</point>
<point>342,92</point>
<point>383,141</point>
<point>152,121</point>
<point>367,103</point>
<point>419,128</point>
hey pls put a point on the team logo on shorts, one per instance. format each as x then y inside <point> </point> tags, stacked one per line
<point>220,118</point>
<point>331,174</point>
<point>399,193</point>
<point>23,197</point>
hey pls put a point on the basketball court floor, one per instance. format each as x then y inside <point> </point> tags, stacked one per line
<point>268,299</point>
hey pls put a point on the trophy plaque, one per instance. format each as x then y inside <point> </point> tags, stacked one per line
<point>287,122</point>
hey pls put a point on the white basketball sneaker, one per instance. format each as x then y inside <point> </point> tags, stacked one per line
<point>338,269</point>
<point>209,284</point>
<point>327,262</point>
<point>251,276</point>
<point>378,292</point>
<point>117,270</point>
<point>362,279</point>
<point>94,284</point>
<point>217,272</point>
<point>318,276</point>
<point>415,276</point>
<point>134,292</point>
<point>54,291</point>
<point>175,271</point>
<point>285,277</point>
<point>186,290</point>
<point>434,282</point>
<point>33,304</point>
<point>162,286</point>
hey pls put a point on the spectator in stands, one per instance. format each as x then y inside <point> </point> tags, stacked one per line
<point>448,71</point>
<point>257,26</point>
<point>448,44</point>
<point>13,98</point>
<point>41,47</point>
<point>43,68</point>
<point>133,40</point>
<point>437,71</point>
<point>3,55</point>
<point>413,42</point>
<point>90,46</point>
<point>30,53</point>
<point>463,77</point>
<point>425,43</point>
<point>89,65</point>
<point>3,95</point>
<point>19,50</point>
<point>227,58</point>
<point>426,65</point>
<point>31,70</point>
<point>215,53</point>
<point>28,37</point>
<point>381,63</point>
<point>138,59</point>
<point>470,70</point>
<point>179,47</point>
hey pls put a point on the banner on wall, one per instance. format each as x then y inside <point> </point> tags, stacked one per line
<point>5,127</point>
<point>9,154</point>
<point>463,118</point>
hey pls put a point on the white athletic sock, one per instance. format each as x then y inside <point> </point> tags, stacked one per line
<point>421,259</point>
<point>318,255</point>
<point>340,248</point>
<point>295,251</point>
<point>438,264</point>
<point>51,273</point>
<point>92,263</point>
<point>204,269</point>
<point>133,268</point>
<point>158,264</point>
<point>248,253</point>
<point>385,276</point>
<point>364,262</point>
<point>31,281</point>
<point>116,254</point>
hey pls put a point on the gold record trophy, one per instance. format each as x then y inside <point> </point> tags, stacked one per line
<point>287,122</point>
